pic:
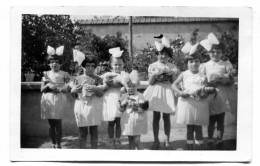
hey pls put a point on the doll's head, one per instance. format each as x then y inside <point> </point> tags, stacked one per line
<point>193,62</point>
<point>89,64</point>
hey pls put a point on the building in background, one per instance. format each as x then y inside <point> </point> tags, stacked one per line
<point>145,28</point>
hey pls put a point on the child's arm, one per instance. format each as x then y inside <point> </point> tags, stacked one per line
<point>176,89</point>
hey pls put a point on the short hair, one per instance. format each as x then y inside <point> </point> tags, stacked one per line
<point>167,50</point>
<point>220,46</point>
<point>89,59</point>
<point>193,56</point>
<point>54,57</point>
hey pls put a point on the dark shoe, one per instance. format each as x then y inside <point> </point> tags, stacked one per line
<point>58,146</point>
<point>118,144</point>
<point>53,146</point>
<point>167,146</point>
<point>155,146</point>
<point>210,146</point>
<point>197,147</point>
<point>220,146</point>
<point>111,143</point>
<point>189,146</point>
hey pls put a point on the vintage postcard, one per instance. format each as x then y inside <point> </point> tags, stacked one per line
<point>140,84</point>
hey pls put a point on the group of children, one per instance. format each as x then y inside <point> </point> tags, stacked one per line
<point>205,92</point>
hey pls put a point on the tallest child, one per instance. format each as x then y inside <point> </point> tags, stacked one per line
<point>159,92</point>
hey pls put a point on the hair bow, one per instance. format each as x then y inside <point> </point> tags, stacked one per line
<point>116,52</point>
<point>207,43</point>
<point>78,56</point>
<point>189,49</point>
<point>160,46</point>
<point>52,51</point>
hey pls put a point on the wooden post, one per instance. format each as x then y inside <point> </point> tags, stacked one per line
<point>131,39</point>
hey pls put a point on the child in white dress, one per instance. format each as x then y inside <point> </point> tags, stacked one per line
<point>134,117</point>
<point>159,92</point>
<point>193,112</point>
<point>111,112</point>
<point>219,75</point>
<point>88,109</point>
<point>54,99</point>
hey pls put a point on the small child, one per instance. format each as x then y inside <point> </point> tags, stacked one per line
<point>193,106</point>
<point>134,117</point>
<point>219,74</point>
<point>54,99</point>
<point>111,112</point>
<point>88,109</point>
<point>159,92</point>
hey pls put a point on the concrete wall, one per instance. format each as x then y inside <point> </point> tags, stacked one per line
<point>144,33</point>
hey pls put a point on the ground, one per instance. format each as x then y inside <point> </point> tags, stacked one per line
<point>178,139</point>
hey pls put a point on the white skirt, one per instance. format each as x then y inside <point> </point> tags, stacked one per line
<point>134,123</point>
<point>53,105</point>
<point>192,112</point>
<point>110,104</point>
<point>88,113</point>
<point>160,97</point>
<point>221,103</point>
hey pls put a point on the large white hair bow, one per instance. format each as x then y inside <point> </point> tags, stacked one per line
<point>116,52</point>
<point>52,51</point>
<point>78,56</point>
<point>189,49</point>
<point>160,46</point>
<point>207,43</point>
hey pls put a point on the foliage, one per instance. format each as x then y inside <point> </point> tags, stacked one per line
<point>40,31</point>
<point>144,58</point>
<point>87,40</point>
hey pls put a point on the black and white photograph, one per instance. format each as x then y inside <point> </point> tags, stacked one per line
<point>131,84</point>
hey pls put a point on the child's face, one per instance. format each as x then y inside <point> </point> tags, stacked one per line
<point>193,65</point>
<point>89,68</point>
<point>117,65</point>
<point>163,57</point>
<point>215,54</point>
<point>55,65</point>
<point>131,88</point>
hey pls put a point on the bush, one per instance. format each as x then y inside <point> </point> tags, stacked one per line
<point>40,31</point>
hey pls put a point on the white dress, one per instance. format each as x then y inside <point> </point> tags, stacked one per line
<point>191,111</point>
<point>134,123</point>
<point>88,111</point>
<point>160,95</point>
<point>226,100</point>
<point>53,105</point>
<point>110,99</point>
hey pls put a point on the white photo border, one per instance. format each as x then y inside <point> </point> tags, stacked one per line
<point>244,119</point>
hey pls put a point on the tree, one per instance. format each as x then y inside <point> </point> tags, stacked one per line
<point>40,31</point>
